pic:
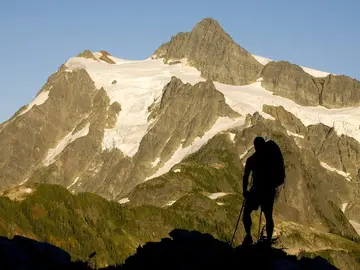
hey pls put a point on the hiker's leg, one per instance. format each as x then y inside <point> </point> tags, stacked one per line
<point>247,217</point>
<point>269,223</point>
<point>267,207</point>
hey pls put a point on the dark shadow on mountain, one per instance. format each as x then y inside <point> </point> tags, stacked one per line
<point>184,250</point>
<point>194,250</point>
<point>25,253</point>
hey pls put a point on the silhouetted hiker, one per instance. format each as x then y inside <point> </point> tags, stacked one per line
<point>266,166</point>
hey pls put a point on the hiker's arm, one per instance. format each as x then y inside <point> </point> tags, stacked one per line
<point>246,176</point>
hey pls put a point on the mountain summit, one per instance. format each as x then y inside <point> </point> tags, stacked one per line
<point>213,52</point>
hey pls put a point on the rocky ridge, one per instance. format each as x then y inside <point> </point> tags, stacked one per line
<point>291,81</point>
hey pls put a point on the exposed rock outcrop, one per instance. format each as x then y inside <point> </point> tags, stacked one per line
<point>340,91</point>
<point>185,112</point>
<point>87,54</point>
<point>33,133</point>
<point>291,81</point>
<point>105,57</point>
<point>287,119</point>
<point>213,52</point>
<point>81,165</point>
<point>340,152</point>
<point>113,113</point>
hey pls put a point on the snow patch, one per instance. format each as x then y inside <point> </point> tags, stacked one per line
<point>232,136</point>
<point>140,84</point>
<point>342,173</point>
<point>355,225</point>
<point>73,183</point>
<point>23,182</point>
<point>248,99</point>
<point>315,73</point>
<point>170,203</point>
<point>52,153</point>
<point>246,152</point>
<point>124,200</point>
<point>19,193</point>
<point>343,207</point>
<point>38,100</point>
<point>216,195</point>
<point>222,123</point>
<point>294,134</point>
<point>155,163</point>
<point>95,168</point>
<point>262,60</point>
<point>27,190</point>
<point>312,72</point>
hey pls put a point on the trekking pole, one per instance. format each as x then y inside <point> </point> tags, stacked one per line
<point>237,222</point>
<point>259,224</point>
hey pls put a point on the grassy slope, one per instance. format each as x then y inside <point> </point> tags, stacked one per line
<point>86,223</point>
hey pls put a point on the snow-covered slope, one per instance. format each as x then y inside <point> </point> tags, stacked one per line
<point>38,100</point>
<point>140,83</point>
<point>251,98</point>
<point>69,138</point>
<point>136,85</point>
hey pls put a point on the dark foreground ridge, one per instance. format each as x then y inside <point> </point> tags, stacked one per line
<point>184,250</point>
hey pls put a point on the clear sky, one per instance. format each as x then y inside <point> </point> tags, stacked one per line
<point>37,36</point>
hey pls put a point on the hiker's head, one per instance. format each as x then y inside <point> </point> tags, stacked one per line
<point>259,144</point>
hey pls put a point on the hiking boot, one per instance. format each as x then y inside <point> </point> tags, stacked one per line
<point>247,240</point>
<point>265,241</point>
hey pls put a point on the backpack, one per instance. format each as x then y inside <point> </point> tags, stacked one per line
<point>275,164</point>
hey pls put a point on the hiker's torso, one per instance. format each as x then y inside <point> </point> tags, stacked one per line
<point>259,170</point>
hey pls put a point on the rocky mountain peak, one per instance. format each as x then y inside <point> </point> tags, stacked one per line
<point>87,54</point>
<point>207,24</point>
<point>213,52</point>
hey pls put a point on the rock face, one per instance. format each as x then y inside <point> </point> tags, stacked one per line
<point>340,91</point>
<point>105,57</point>
<point>81,164</point>
<point>87,54</point>
<point>339,154</point>
<point>213,52</point>
<point>60,140</point>
<point>70,97</point>
<point>312,195</point>
<point>287,119</point>
<point>184,113</point>
<point>291,81</point>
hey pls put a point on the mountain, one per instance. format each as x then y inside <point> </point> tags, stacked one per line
<point>164,140</point>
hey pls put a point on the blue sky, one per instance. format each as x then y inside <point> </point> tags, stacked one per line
<point>38,36</point>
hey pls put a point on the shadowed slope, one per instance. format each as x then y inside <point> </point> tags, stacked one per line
<point>193,250</point>
<point>186,250</point>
